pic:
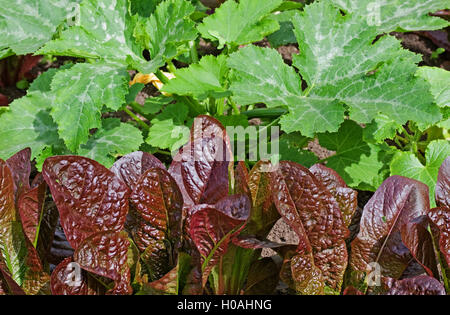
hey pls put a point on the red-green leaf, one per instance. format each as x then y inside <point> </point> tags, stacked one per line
<point>385,235</point>
<point>130,167</point>
<point>20,167</point>
<point>89,197</point>
<point>420,285</point>
<point>212,228</point>
<point>202,166</point>
<point>106,254</point>
<point>264,213</point>
<point>443,185</point>
<point>30,207</point>
<point>345,196</point>
<point>318,213</point>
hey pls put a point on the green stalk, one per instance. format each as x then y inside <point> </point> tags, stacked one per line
<point>137,108</point>
<point>264,112</point>
<point>137,119</point>
<point>193,51</point>
<point>234,106</point>
<point>171,66</point>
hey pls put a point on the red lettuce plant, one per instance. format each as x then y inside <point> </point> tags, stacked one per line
<point>200,226</point>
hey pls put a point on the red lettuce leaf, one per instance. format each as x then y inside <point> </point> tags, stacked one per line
<point>385,235</point>
<point>89,197</point>
<point>212,228</point>
<point>264,214</point>
<point>441,218</point>
<point>8,285</point>
<point>345,196</point>
<point>7,208</point>
<point>263,277</point>
<point>65,282</point>
<point>158,203</point>
<point>30,207</point>
<point>420,285</point>
<point>105,254</point>
<point>443,185</point>
<point>313,213</point>
<point>130,167</point>
<point>300,273</point>
<point>201,167</point>
<point>20,167</point>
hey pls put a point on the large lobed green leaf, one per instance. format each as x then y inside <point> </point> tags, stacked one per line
<point>240,23</point>
<point>342,63</point>
<point>80,92</point>
<point>27,25</point>
<point>401,15</point>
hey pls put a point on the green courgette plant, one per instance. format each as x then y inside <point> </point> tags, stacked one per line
<point>199,226</point>
<point>352,86</point>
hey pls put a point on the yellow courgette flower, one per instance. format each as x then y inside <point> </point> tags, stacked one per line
<point>153,79</point>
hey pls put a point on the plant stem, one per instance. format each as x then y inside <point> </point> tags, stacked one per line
<point>193,51</point>
<point>234,106</point>
<point>264,112</point>
<point>171,66</point>
<point>137,119</point>
<point>194,107</point>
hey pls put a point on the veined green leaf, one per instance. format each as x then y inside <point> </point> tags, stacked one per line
<point>113,139</point>
<point>342,62</point>
<point>356,161</point>
<point>27,25</point>
<point>104,31</point>
<point>404,15</point>
<point>168,127</point>
<point>28,124</point>
<point>408,165</point>
<point>202,80</point>
<point>240,23</point>
<point>439,80</point>
<point>80,92</point>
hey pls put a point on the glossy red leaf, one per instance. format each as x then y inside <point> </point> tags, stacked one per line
<point>317,211</point>
<point>7,209</point>
<point>69,279</point>
<point>264,213</point>
<point>420,285</point>
<point>103,253</point>
<point>443,185</point>
<point>89,197</point>
<point>212,228</point>
<point>385,236</point>
<point>345,196</point>
<point>130,167</point>
<point>441,218</point>
<point>30,207</point>
<point>158,203</point>
<point>8,285</point>
<point>263,277</point>
<point>66,281</point>
<point>299,270</point>
<point>202,166</point>
<point>20,167</point>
